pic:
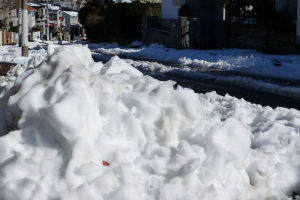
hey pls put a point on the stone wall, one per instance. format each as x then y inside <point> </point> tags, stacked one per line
<point>269,38</point>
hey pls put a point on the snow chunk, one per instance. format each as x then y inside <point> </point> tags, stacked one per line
<point>117,65</point>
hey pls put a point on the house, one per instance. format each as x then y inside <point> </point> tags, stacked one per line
<point>204,27</point>
<point>9,18</point>
<point>56,21</point>
<point>41,19</point>
<point>72,25</point>
<point>74,5</point>
<point>31,17</point>
<point>200,28</point>
<point>170,8</point>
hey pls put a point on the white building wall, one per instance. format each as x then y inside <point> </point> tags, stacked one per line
<point>168,9</point>
<point>31,19</point>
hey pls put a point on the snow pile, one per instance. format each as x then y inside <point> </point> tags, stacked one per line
<point>12,54</point>
<point>161,143</point>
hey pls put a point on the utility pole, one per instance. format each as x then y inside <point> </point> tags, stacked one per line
<point>20,22</point>
<point>47,26</point>
<point>24,28</point>
<point>298,23</point>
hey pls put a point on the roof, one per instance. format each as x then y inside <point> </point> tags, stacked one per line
<point>71,13</point>
<point>31,8</point>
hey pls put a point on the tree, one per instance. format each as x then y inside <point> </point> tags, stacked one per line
<point>121,22</point>
<point>91,16</point>
<point>239,10</point>
<point>263,11</point>
<point>8,4</point>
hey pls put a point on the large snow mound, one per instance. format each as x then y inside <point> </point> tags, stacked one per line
<point>70,114</point>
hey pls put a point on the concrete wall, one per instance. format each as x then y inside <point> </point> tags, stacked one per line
<point>269,38</point>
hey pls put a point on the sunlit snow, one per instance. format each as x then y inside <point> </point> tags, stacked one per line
<point>63,118</point>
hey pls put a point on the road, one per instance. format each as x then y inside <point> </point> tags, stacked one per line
<point>204,84</point>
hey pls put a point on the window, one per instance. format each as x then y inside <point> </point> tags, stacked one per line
<point>178,2</point>
<point>73,19</point>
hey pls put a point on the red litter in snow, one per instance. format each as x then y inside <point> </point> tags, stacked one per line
<point>105,163</point>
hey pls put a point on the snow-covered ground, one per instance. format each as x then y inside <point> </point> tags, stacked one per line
<point>233,60</point>
<point>69,117</point>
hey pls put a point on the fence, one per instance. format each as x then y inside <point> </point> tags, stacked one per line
<point>8,38</point>
<point>270,38</point>
<point>287,6</point>
<point>194,33</point>
<point>182,33</point>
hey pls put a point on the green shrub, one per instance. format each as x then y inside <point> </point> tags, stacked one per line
<point>36,29</point>
<point>14,29</point>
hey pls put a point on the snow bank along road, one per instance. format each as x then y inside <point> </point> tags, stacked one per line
<point>79,129</point>
<point>268,91</point>
<point>243,62</point>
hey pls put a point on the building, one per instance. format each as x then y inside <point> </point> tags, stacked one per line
<point>202,9</point>
<point>31,17</point>
<point>56,20</point>
<point>73,5</point>
<point>170,8</point>
<point>72,25</point>
<point>199,27</point>
<point>9,18</point>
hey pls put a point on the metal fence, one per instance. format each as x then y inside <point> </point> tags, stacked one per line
<point>288,8</point>
<point>196,33</point>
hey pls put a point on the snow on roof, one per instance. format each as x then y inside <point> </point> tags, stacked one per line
<point>71,13</point>
<point>32,4</point>
<point>54,7</point>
